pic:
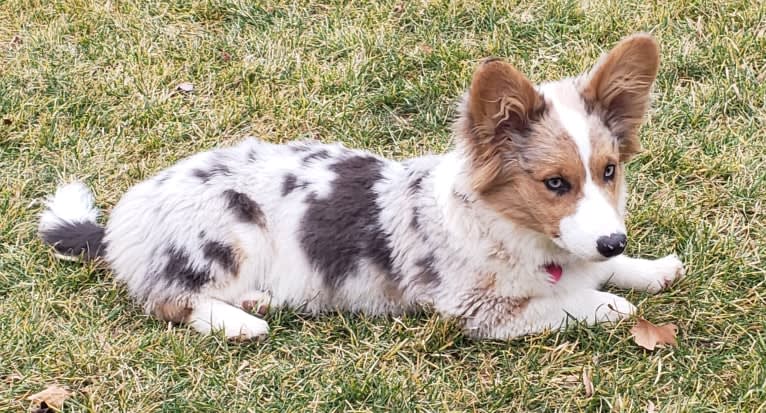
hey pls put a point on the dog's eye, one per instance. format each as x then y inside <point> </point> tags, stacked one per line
<point>557,184</point>
<point>609,172</point>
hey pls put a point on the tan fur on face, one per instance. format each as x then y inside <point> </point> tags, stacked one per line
<point>521,195</point>
<point>605,150</point>
<point>618,86</point>
<point>515,143</point>
<point>515,146</point>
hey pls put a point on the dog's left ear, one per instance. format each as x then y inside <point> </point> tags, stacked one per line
<point>618,88</point>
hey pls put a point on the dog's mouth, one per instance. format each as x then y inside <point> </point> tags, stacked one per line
<point>555,271</point>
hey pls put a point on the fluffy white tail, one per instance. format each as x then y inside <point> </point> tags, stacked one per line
<point>69,223</point>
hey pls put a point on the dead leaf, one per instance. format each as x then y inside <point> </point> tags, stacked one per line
<point>650,407</point>
<point>185,87</point>
<point>398,8</point>
<point>16,41</point>
<point>7,121</point>
<point>649,336</point>
<point>53,396</point>
<point>587,382</point>
<point>225,56</point>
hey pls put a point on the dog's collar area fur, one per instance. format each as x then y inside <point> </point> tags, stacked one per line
<point>555,271</point>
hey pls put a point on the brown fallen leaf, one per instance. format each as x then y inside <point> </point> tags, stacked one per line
<point>53,396</point>
<point>587,382</point>
<point>649,336</point>
<point>185,87</point>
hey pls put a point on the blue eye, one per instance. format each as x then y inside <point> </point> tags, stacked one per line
<point>609,172</point>
<point>557,184</point>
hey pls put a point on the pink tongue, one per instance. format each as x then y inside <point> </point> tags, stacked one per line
<point>555,271</point>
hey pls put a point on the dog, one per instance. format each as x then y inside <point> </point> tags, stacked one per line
<point>512,232</point>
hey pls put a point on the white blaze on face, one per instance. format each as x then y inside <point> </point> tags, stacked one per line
<point>595,216</point>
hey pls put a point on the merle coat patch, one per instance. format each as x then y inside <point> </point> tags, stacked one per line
<point>179,268</point>
<point>246,209</point>
<point>340,230</point>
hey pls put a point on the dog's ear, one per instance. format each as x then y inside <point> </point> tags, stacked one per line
<point>618,88</point>
<point>502,103</point>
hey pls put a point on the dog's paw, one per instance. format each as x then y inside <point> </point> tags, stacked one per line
<point>247,329</point>
<point>614,309</point>
<point>661,273</point>
<point>210,315</point>
<point>256,302</point>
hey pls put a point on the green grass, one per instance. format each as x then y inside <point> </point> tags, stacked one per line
<point>87,91</point>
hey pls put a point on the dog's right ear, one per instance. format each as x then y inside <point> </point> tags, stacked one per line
<point>502,103</point>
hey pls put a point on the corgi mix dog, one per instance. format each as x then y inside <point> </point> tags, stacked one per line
<point>512,232</point>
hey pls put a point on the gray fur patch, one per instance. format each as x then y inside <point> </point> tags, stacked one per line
<point>201,174</point>
<point>179,268</point>
<point>462,197</point>
<point>290,183</point>
<point>416,182</point>
<point>339,231</point>
<point>207,174</point>
<point>245,208</point>
<point>414,186</point>
<point>300,146</point>
<point>222,254</point>
<point>415,220</point>
<point>428,273</point>
<point>84,239</point>
<point>252,155</point>
<point>163,177</point>
<point>318,155</point>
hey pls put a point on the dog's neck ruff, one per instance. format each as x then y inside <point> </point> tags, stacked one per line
<point>555,271</point>
<point>469,219</point>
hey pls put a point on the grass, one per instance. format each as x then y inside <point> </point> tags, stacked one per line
<point>87,90</point>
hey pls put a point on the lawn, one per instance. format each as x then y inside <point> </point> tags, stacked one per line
<point>88,90</point>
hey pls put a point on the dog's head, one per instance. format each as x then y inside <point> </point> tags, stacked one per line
<point>551,157</point>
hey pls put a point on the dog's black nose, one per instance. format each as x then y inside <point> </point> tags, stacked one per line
<point>611,245</point>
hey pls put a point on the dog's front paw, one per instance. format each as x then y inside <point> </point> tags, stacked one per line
<point>247,329</point>
<point>661,273</point>
<point>614,309</point>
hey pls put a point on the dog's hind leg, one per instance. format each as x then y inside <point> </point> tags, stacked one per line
<point>209,315</point>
